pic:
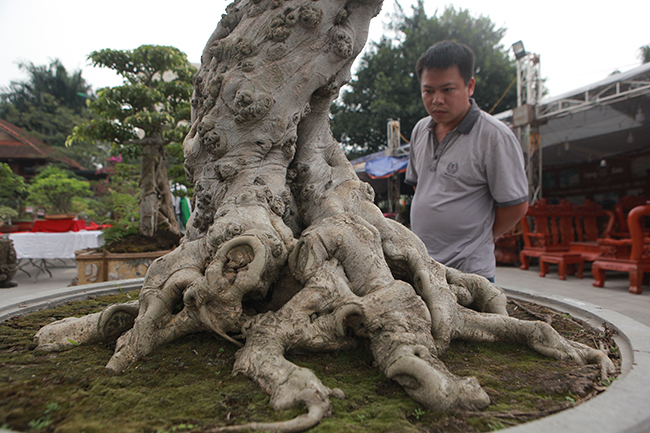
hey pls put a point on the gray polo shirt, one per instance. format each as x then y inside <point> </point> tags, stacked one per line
<point>460,182</point>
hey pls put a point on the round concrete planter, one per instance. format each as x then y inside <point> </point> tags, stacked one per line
<point>623,408</point>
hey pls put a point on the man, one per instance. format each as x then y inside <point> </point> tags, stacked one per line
<point>466,166</point>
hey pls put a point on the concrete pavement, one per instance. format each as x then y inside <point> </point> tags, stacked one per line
<point>614,296</point>
<point>33,285</point>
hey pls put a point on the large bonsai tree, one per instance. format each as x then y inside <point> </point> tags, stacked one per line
<point>286,250</point>
<point>143,116</point>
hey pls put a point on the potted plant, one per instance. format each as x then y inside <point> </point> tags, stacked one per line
<point>55,190</point>
<point>7,214</point>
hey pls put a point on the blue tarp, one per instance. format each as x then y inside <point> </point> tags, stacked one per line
<point>377,165</point>
<point>385,166</point>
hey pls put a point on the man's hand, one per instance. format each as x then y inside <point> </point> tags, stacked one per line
<point>507,217</point>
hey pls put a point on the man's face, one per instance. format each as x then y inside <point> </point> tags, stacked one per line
<point>445,95</point>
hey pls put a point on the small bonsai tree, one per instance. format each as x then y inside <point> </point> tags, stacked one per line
<point>7,214</point>
<point>54,190</point>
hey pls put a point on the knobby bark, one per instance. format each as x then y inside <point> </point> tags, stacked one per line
<point>285,249</point>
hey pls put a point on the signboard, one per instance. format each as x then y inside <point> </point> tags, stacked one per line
<point>523,115</point>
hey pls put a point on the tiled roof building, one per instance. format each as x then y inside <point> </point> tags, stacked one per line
<point>25,153</point>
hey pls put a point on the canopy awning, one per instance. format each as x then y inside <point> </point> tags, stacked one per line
<point>380,166</point>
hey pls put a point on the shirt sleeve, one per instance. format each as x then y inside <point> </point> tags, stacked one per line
<point>411,177</point>
<point>505,169</point>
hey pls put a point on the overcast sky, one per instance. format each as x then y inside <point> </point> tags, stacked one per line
<point>579,42</point>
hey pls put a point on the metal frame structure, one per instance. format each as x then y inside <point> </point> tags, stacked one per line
<point>613,89</point>
<point>529,92</point>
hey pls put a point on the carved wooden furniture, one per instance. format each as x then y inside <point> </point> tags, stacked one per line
<point>621,210</point>
<point>564,228</point>
<point>626,255</point>
<point>544,235</point>
<point>591,222</point>
<point>565,262</point>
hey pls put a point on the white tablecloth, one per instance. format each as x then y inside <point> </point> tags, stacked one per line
<point>54,245</point>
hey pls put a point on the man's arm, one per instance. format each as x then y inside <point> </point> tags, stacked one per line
<point>507,217</point>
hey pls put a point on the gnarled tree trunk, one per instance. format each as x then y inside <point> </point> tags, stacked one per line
<point>285,249</point>
<point>156,206</point>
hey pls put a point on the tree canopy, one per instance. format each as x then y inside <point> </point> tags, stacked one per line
<point>644,53</point>
<point>141,117</point>
<point>48,104</point>
<point>386,86</point>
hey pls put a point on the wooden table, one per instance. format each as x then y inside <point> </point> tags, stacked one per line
<point>562,260</point>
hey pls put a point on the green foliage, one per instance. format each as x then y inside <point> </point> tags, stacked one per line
<point>7,214</point>
<point>125,217</point>
<point>386,86</point>
<point>120,194</point>
<point>644,53</point>
<point>12,184</point>
<point>48,105</point>
<point>54,190</point>
<point>152,102</point>
<point>12,192</point>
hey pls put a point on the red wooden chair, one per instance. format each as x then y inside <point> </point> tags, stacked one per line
<point>626,255</point>
<point>551,230</point>
<point>591,223</point>
<point>621,210</point>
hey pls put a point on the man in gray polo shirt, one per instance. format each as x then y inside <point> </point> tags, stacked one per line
<point>466,166</point>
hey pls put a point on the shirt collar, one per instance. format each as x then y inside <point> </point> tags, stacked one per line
<point>465,126</point>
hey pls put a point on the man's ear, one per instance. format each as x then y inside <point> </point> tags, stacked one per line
<point>470,86</point>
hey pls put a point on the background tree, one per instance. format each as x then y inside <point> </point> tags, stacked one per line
<point>644,53</point>
<point>12,192</point>
<point>148,112</point>
<point>48,104</point>
<point>386,86</point>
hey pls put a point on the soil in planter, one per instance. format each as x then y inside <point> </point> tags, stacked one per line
<point>186,386</point>
<point>137,243</point>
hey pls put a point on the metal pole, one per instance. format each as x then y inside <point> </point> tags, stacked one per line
<point>393,186</point>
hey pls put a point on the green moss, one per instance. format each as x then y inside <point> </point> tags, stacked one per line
<point>187,386</point>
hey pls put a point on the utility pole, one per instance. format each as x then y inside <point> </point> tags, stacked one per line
<point>529,93</point>
<point>393,135</point>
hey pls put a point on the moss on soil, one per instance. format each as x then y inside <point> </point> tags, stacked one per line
<point>187,385</point>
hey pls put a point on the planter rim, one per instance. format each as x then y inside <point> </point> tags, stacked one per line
<point>85,254</point>
<point>623,408</point>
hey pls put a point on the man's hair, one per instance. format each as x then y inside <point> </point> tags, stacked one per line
<point>445,55</point>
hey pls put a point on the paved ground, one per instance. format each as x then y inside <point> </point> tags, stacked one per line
<point>614,296</point>
<point>63,272</point>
